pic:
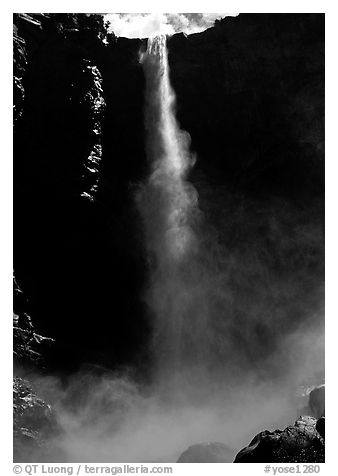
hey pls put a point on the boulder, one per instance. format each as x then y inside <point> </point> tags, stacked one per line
<point>320,426</point>
<point>298,443</point>
<point>211,452</point>
<point>317,401</point>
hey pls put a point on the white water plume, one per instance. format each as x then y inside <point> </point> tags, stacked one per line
<point>211,308</point>
<point>168,204</point>
<point>173,199</point>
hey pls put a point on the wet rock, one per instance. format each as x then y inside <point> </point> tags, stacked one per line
<point>35,426</point>
<point>28,345</point>
<point>298,443</point>
<point>212,452</point>
<point>320,427</point>
<point>317,401</point>
<point>93,99</point>
<point>19,67</point>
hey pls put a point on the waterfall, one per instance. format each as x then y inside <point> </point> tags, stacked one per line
<point>168,205</point>
<point>173,199</point>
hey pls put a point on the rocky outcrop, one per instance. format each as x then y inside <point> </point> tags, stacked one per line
<point>63,102</point>
<point>298,443</point>
<point>58,162</point>
<point>93,99</point>
<point>35,426</point>
<point>34,421</point>
<point>320,427</point>
<point>317,401</point>
<point>28,346</point>
<point>212,452</point>
<point>19,55</point>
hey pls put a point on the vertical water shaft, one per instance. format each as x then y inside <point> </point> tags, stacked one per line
<point>169,157</point>
<point>168,204</point>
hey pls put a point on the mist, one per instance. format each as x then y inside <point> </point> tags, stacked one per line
<point>107,417</point>
<point>262,351</point>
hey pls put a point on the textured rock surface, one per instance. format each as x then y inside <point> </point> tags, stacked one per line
<point>35,426</point>
<point>34,422</point>
<point>19,66</point>
<point>299,443</point>
<point>60,160</point>
<point>27,344</point>
<point>94,100</point>
<point>212,452</point>
<point>320,427</point>
<point>317,401</point>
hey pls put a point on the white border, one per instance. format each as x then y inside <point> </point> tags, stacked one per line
<point>128,6</point>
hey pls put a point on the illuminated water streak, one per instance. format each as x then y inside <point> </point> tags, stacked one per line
<point>168,205</point>
<point>172,198</point>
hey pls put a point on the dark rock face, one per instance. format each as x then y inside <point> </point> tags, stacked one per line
<point>317,401</point>
<point>274,65</point>
<point>299,443</point>
<point>28,346</point>
<point>34,421</point>
<point>320,427</point>
<point>212,452</point>
<point>19,66</point>
<point>249,92</point>
<point>35,426</point>
<point>63,238</point>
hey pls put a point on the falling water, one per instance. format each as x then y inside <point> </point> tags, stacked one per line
<point>170,159</point>
<point>168,204</point>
